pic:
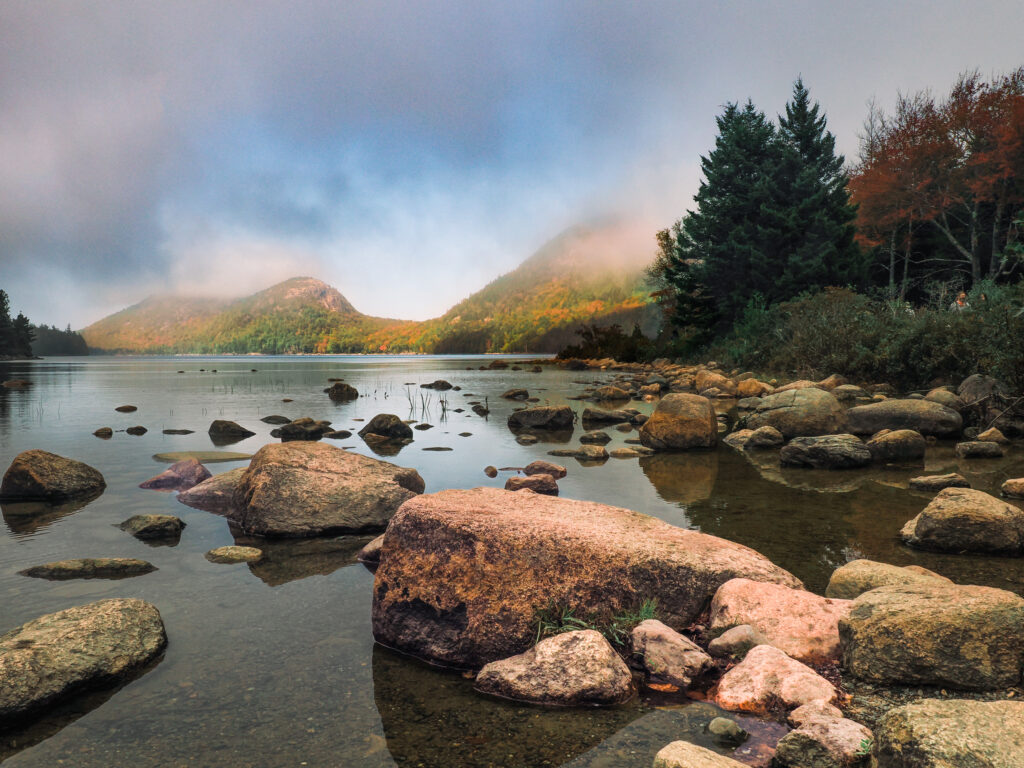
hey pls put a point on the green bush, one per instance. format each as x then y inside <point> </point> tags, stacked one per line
<point>873,340</point>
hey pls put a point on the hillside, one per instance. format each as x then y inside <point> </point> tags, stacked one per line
<point>586,275</point>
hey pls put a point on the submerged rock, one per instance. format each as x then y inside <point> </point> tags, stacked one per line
<point>938,482</point>
<point>41,476</point>
<point>153,526</point>
<point>571,669</point>
<point>234,554</point>
<point>89,646</point>
<point>463,572</point>
<point>679,422</point>
<point>858,576</point>
<point>935,634</point>
<point>683,754</point>
<point>179,476</point>
<point>825,452</point>
<point>311,489</point>
<point>800,623</point>
<point>90,568</point>
<point>944,734</point>
<point>965,520</point>
<point>342,392</point>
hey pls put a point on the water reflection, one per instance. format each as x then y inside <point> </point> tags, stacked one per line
<point>29,517</point>
<point>286,560</point>
<point>682,478</point>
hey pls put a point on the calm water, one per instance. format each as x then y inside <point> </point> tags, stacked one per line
<point>274,664</point>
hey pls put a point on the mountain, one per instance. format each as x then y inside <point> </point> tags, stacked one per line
<point>592,275</point>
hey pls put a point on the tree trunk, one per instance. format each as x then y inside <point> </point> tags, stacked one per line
<point>906,258</point>
<point>892,264</point>
<point>995,265</point>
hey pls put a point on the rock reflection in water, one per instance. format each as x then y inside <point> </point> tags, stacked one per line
<point>433,718</point>
<point>682,478</point>
<point>286,560</point>
<point>28,517</point>
<point>36,730</point>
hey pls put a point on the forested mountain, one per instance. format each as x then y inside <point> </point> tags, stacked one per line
<point>586,275</point>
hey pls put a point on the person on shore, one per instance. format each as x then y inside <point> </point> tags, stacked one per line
<point>960,303</point>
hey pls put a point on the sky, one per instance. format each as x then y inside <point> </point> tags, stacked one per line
<point>405,152</point>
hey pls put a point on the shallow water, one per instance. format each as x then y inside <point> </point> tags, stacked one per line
<point>274,664</point>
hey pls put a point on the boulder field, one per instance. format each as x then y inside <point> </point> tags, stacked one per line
<point>463,573</point>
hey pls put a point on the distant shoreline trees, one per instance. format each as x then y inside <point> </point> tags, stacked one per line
<point>19,338</point>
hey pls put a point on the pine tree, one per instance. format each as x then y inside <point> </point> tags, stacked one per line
<point>23,335</point>
<point>819,213</point>
<point>7,337</point>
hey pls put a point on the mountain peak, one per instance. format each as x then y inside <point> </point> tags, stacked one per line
<point>309,290</point>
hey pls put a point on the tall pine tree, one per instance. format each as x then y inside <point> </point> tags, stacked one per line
<point>772,219</point>
<point>822,247</point>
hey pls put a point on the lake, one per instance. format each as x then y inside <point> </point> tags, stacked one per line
<point>273,664</point>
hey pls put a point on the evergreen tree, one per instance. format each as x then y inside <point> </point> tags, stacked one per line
<point>818,209</point>
<point>23,335</point>
<point>8,344</point>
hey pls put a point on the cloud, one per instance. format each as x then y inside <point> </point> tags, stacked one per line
<point>408,151</point>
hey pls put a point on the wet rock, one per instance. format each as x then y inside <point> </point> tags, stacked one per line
<point>924,416</point>
<point>798,413</point>
<point>679,422</point>
<point>302,429</point>
<point>463,572</point>
<point>275,419</point>
<point>938,482</point>
<point>978,387</point>
<point>90,568</point>
<point>153,526</point>
<point>42,476</point>
<point>104,432</point>
<point>799,384</point>
<point>137,431</point>
<point>547,417</point>
<point>342,392</point>
<point>570,669</point>
<point>491,471</point>
<point>440,385</point>
<point>963,637</point>
<point>387,426</point>
<point>768,678</point>
<point>752,388</point>
<point>545,468</point>
<point>825,452</point>
<point>626,453</point>
<point>858,576</point>
<point>590,453</point>
<point>526,439</point>
<point>126,409</point>
<point>800,623</point>
<point>993,435</point>
<point>666,655</point>
<point>823,743</point>
<point>338,434</point>
<point>214,495</point>
<point>61,654</point>
<point>311,489</point>
<point>976,449</point>
<point>593,416</point>
<point>1013,488</point>
<point>370,553</point>
<point>705,381</point>
<point>595,437</point>
<point>537,483</point>
<point>727,731</point>
<point>951,734</point>
<point>234,554</point>
<point>610,393</point>
<point>178,477</point>
<point>735,642</point>
<point>422,427</point>
<point>178,431</point>
<point>228,430</point>
<point>965,520</point>
<point>898,445</point>
<point>205,457</point>
<point>683,754</point>
<point>515,394</point>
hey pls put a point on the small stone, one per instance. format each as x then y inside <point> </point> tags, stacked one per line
<point>1013,488</point>
<point>977,449</point>
<point>422,427</point>
<point>491,471</point>
<point>137,431</point>
<point>727,732</point>
<point>153,526</point>
<point>734,643</point>
<point>938,482</point>
<point>992,435</point>
<point>234,554</point>
<point>684,754</point>
<point>126,408</point>
<point>596,437</point>
<point>537,483</point>
<point>541,467</point>
<point>104,432</point>
<point>90,568</point>
<point>667,656</point>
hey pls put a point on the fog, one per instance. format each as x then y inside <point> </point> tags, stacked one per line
<point>405,153</point>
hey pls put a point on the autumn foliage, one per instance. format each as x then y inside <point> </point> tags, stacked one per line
<point>940,184</point>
